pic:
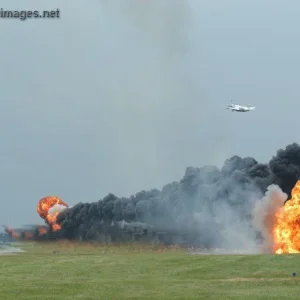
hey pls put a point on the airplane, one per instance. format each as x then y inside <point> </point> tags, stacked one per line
<point>240,108</point>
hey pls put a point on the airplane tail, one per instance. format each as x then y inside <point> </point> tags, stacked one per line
<point>229,106</point>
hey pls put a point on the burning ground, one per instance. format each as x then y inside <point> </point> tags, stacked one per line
<point>243,205</point>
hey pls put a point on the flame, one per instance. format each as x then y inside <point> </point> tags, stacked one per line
<point>13,233</point>
<point>23,234</point>
<point>286,232</point>
<point>42,230</point>
<point>49,208</point>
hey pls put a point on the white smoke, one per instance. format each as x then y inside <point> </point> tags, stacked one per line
<point>239,234</point>
<point>57,208</point>
<point>264,214</point>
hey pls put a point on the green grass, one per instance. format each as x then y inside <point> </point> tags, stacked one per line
<point>143,272</point>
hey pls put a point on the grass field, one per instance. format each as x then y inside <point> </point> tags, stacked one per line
<point>73,271</point>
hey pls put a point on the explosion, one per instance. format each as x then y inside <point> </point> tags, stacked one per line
<point>196,211</point>
<point>49,208</point>
<point>27,233</point>
<point>286,232</point>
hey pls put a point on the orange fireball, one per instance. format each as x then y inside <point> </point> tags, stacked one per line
<point>286,232</point>
<point>49,208</point>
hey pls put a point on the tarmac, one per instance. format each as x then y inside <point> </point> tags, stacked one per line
<point>6,249</point>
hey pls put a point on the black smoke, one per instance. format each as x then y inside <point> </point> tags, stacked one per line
<point>208,206</point>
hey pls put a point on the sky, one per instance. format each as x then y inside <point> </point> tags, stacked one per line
<point>119,96</point>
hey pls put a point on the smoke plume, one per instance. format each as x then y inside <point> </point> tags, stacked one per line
<point>233,207</point>
<point>209,206</point>
<point>264,215</point>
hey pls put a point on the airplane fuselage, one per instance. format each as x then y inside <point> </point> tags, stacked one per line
<point>240,108</point>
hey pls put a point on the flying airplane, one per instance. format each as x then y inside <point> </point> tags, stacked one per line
<point>240,108</point>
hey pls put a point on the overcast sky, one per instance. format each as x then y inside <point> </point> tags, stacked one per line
<point>121,96</point>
